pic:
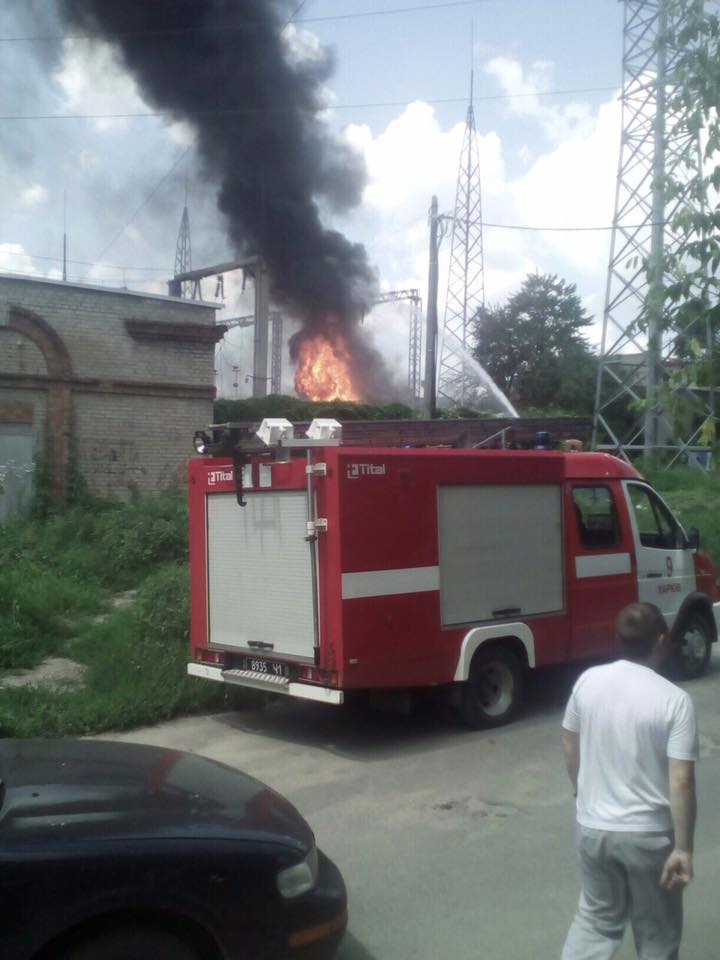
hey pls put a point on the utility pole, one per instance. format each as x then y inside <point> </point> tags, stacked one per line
<point>276,322</point>
<point>429,400</point>
<point>262,329</point>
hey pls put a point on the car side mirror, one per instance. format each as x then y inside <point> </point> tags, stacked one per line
<point>693,539</point>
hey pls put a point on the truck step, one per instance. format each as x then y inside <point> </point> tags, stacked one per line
<point>260,680</point>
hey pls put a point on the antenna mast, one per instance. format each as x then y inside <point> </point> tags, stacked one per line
<point>64,235</point>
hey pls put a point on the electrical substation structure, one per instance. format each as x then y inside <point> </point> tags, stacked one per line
<point>254,268</point>
<point>639,353</point>
<point>415,377</point>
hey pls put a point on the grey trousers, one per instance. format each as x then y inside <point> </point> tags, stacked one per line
<point>620,874</point>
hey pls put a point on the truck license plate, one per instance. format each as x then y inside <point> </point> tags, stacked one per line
<point>270,667</point>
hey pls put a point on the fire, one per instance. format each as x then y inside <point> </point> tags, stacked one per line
<point>324,369</point>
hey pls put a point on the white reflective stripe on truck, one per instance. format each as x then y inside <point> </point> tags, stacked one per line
<point>602,565</point>
<point>388,583</point>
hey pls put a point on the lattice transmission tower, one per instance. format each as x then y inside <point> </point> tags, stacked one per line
<point>639,352</point>
<point>457,382</point>
<point>183,256</point>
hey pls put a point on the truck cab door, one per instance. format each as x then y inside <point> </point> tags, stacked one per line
<point>600,573</point>
<point>665,562</point>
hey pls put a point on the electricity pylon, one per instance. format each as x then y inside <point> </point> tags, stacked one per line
<point>183,256</point>
<point>638,352</point>
<point>457,383</point>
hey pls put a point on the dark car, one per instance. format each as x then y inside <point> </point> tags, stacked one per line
<point>114,851</point>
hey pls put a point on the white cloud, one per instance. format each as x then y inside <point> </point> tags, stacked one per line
<point>556,121</point>
<point>93,81</point>
<point>301,45</point>
<point>15,259</point>
<point>571,184</point>
<point>414,152</point>
<point>33,195</point>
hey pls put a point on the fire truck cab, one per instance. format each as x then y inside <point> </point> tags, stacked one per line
<point>319,569</point>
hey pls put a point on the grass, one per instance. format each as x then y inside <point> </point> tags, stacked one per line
<point>135,663</point>
<point>57,575</point>
<point>56,570</point>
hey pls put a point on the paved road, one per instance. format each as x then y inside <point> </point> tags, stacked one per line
<point>454,845</point>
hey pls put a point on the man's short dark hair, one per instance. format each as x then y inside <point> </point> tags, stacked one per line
<point>639,627</point>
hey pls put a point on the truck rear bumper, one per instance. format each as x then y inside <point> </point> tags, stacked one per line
<point>260,681</point>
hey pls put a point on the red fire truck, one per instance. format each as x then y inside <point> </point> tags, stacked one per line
<point>319,569</point>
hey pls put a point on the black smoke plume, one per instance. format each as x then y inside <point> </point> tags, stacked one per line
<point>223,66</point>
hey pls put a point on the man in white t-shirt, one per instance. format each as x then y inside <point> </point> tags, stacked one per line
<point>630,743</point>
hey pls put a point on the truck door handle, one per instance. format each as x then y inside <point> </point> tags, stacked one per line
<point>650,575</point>
<point>507,612</point>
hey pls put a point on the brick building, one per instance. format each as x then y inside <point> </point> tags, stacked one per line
<point>113,380</point>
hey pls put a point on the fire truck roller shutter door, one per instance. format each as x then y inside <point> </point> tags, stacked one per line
<point>496,633</point>
<point>501,552</point>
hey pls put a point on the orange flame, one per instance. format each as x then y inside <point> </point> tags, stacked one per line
<point>324,370</point>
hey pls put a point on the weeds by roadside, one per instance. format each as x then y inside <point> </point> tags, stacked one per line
<point>55,571</point>
<point>135,670</point>
<point>57,575</point>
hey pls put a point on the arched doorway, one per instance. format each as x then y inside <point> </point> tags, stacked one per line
<point>57,384</point>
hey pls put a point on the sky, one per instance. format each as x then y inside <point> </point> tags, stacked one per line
<point>399,96</point>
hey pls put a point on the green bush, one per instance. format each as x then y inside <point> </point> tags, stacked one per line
<point>254,409</point>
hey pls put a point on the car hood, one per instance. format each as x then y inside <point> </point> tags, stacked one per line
<point>70,789</point>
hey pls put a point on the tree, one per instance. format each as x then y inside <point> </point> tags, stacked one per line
<point>533,346</point>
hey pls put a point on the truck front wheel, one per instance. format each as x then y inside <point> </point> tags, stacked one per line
<point>691,647</point>
<point>492,694</point>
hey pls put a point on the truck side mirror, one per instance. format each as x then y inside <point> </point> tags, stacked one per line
<point>693,539</point>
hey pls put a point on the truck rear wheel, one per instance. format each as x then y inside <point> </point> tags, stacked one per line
<point>492,694</point>
<point>691,645</point>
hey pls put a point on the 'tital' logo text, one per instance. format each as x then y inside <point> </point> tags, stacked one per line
<point>356,470</point>
<point>219,476</point>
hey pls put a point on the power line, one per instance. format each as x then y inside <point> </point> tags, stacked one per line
<point>145,202</point>
<point>96,281</point>
<point>244,111</point>
<point>417,8</point>
<point>529,228</point>
<point>247,24</point>
<point>292,16</point>
<point>534,229</point>
<point>82,263</point>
